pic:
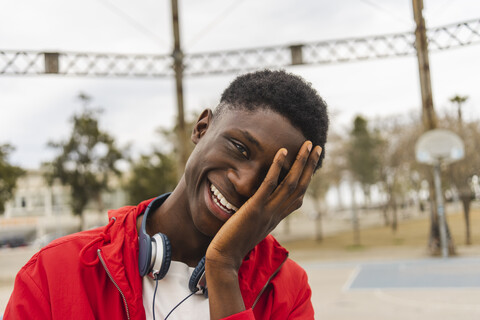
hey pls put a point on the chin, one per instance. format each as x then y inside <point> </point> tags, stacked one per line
<point>207,228</point>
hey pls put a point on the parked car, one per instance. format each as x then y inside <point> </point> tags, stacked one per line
<point>12,241</point>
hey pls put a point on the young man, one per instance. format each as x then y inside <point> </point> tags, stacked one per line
<point>252,163</point>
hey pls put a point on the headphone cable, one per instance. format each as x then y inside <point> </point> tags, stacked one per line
<point>153,304</point>
<point>154,293</point>
<point>191,294</point>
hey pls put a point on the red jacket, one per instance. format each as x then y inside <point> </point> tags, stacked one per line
<point>94,275</point>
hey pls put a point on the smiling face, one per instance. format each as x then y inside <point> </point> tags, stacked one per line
<point>232,156</point>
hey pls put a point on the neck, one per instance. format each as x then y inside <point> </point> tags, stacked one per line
<point>173,218</point>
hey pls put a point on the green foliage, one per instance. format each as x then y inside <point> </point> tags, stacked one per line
<point>152,175</point>
<point>319,185</point>
<point>459,100</point>
<point>171,138</point>
<point>469,131</point>
<point>86,161</point>
<point>362,154</point>
<point>8,175</point>
<point>461,172</point>
<point>156,173</point>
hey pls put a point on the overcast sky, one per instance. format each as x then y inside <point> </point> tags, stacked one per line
<point>36,109</point>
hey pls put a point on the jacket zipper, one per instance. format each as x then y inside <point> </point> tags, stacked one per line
<point>111,278</point>
<point>268,282</point>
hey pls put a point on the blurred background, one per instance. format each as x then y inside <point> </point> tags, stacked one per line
<point>97,99</point>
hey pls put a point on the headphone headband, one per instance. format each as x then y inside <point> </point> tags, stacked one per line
<point>154,254</point>
<point>145,261</point>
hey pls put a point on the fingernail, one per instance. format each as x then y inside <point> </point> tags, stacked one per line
<point>318,150</point>
<point>284,152</point>
<point>309,146</point>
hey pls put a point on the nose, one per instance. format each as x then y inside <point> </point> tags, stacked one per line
<point>246,179</point>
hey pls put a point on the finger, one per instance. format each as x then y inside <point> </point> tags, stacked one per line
<point>271,179</point>
<point>296,198</point>
<point>289,184</point>
<point>293,200</point>
<point>309,169</point>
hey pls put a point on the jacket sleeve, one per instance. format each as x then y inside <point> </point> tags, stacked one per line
<point>303,308</point>
<point>244,315</point>
<point>27,300</point>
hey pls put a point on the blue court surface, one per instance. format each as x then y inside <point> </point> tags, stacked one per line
<point>426,273</point>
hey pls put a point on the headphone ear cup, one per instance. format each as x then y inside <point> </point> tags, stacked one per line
<point>162,251</point>
<point>144,254</point>
<point>198,280</point>
<point>145,247</point>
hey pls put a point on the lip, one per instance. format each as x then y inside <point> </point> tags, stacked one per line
<point>218,212</point>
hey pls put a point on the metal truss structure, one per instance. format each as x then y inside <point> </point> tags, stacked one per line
<point>233,61</point>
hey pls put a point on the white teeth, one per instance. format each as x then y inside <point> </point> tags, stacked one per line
<point>222,199</point>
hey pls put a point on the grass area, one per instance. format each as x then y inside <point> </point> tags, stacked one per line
<point>409,234</point>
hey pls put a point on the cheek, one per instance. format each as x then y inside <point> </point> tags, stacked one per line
<point>195,162</point>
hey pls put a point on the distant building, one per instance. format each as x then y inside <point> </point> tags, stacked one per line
<point>38,209</point>
<point>34,198</point>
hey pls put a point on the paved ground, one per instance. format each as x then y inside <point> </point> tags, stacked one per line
<point>435,289</point>
<point>396,284</point>
<point>418,274</point>
<point>11,260</point>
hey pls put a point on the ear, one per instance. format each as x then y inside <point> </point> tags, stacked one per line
<point>202,125</point>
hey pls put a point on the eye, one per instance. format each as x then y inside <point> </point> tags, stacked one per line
<point>241,149</point>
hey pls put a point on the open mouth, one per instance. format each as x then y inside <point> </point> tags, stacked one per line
<point>221,202</point>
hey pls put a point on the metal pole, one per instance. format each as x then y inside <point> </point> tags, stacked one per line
<point>356,227</point>
<point>429,118</point>
<point>440,209</point>
<point>178,68</point>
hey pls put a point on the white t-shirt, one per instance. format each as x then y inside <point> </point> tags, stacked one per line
<point>172,289</point>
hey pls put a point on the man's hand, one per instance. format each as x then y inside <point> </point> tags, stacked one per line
<point>271,203</point>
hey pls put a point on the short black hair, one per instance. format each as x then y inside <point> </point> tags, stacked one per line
<point>284,93</point>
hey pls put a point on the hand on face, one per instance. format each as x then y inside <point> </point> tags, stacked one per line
<point>272,202</point>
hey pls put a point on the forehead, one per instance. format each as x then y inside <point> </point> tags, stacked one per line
<point>262,126</point>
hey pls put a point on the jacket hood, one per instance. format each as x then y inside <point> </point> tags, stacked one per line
<point>116,248</point>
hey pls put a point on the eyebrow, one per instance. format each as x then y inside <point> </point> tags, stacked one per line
<point>250,138</point>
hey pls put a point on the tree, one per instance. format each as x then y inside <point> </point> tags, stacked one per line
<point>398,170</point>
<point>8,175</point>
<point>172,138</point>
<point>317,190</point>
<point>459,100</point>
<point>362,164</point>
<point>336,167</point>
<point>461,172</point>
<point>151,175</point>
<point>86,161</point>
<point>362,155</point>
<point>330,175</point>
<point>158,172</point>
